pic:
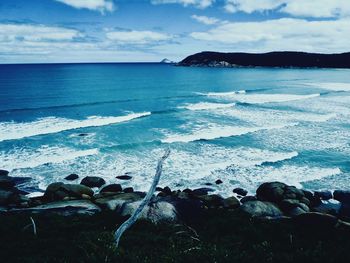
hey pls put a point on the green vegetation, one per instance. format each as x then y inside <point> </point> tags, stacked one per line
<point>223,236</point>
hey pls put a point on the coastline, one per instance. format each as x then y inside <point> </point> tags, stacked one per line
<point>195,222</point>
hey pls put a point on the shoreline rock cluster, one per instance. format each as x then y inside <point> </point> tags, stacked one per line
<point>273,200</point>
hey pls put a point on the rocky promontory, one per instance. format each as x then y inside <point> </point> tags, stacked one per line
<point>272,59</point>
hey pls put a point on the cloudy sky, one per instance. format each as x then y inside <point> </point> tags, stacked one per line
<point>150,30</point>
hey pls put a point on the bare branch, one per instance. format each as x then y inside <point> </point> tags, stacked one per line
<point>128,223</point>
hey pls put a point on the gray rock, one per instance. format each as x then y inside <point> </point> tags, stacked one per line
<point>124,177</point>
<point>240,191</point>
<point>327,208</point>
<point>112,188</point>
<point>115,202</point>
<point>261,209</point>
<point>154,212</point>
<point>72,177</point>
<point>4,172</point>
<point>231,203</point>
<point>6,182</point>
<point>248,198</point>
<point>272,192</point>
<point>342,196</point>
<point>128,190</point>
<point>6,197</point>
<point>202,191</point>
<point>93,181</point>
<point>324,195</point>
<point>59,191</point>
<point>212,201</point>
<point>65,208</point>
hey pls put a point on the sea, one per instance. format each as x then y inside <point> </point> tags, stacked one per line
<point>244,126</point>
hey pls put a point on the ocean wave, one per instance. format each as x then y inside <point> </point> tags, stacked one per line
<point>253,98</point>
<point>30,158</point>
<point>215,132</point>
<point>333,86</point>
<point>48,125</point>
<point>206,106</point>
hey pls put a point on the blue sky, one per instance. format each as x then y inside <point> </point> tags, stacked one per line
<point>150,30</point>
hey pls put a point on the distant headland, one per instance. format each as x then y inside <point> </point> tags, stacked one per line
<point>271,59</point>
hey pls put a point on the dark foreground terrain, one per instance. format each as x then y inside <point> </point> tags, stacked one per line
<point>219,236</point>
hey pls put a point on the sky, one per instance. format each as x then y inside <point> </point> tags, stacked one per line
<point>57,31</point>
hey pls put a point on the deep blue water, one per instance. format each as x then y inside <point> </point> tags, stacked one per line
<point>243,126</point>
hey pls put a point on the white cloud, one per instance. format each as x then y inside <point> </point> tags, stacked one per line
<point>282,34</point>
<point>206,20</point>
<point>304,8</point>
<point>137,37</point>
<point>95,5</point>
<point>250,6</point>
<point>35,33</point>
<point>197,3</point>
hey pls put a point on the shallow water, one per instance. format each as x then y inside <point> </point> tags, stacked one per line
<point>243,126</point>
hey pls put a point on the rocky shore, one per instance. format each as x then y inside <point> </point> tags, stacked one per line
<point>75,222</point>
<point>272,201</point>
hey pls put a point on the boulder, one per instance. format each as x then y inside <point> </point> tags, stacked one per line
<point>64,208</point>
<point>218,181</point>
<point>328,208</point>
<point>93,181</point>
<point>155,212</point>
<point>248,198</point>
<point>212,201</point>
<point>261,209</point>
<point>59,191</point>
<point>314,219</point>
<point>202,191</point>
<point>272,192</point>
<point>231,203</point>
<point>71,177</point>
<point>324,195</point>
<point>128,190</point>
<point>4,172</point>
<point>166,190</point>
<point>112,188</point>
<point>240,191</point>
<point>6,182</point>
<point>124,177</point>
<point>342,196</point>
<point>115,202</point>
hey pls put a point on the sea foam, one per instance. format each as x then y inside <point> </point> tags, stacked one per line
<point>254,98</point>
<point>24,158</point>
<point>206,106</point>
<point>215,132</point>
<point>48,125</point>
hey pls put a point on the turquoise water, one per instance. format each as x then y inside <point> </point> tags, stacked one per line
<point>243,126</point>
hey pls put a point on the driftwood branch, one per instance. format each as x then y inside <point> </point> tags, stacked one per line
<point>128,223</point>
<point>34,225</point>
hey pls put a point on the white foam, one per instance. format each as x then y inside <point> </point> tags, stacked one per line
<point>206,106</point>
<point>230,93</point>
<point>334,86</point>
<point>31,158</point>
<point>254,98</point>
<point>14,130</point>
<point>251,177</point>
<point>214,132</point>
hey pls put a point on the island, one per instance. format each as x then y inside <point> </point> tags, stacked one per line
<point>284,59</point>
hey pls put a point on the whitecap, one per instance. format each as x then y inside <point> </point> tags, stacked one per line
<point>333,86</point>
<point>216,131</point>
<point>49,125</point>
<point>206,106</point>
<point>252,98</point>
<point>30,158</point>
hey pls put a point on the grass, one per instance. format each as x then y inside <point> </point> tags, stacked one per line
<point>223,236</point>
